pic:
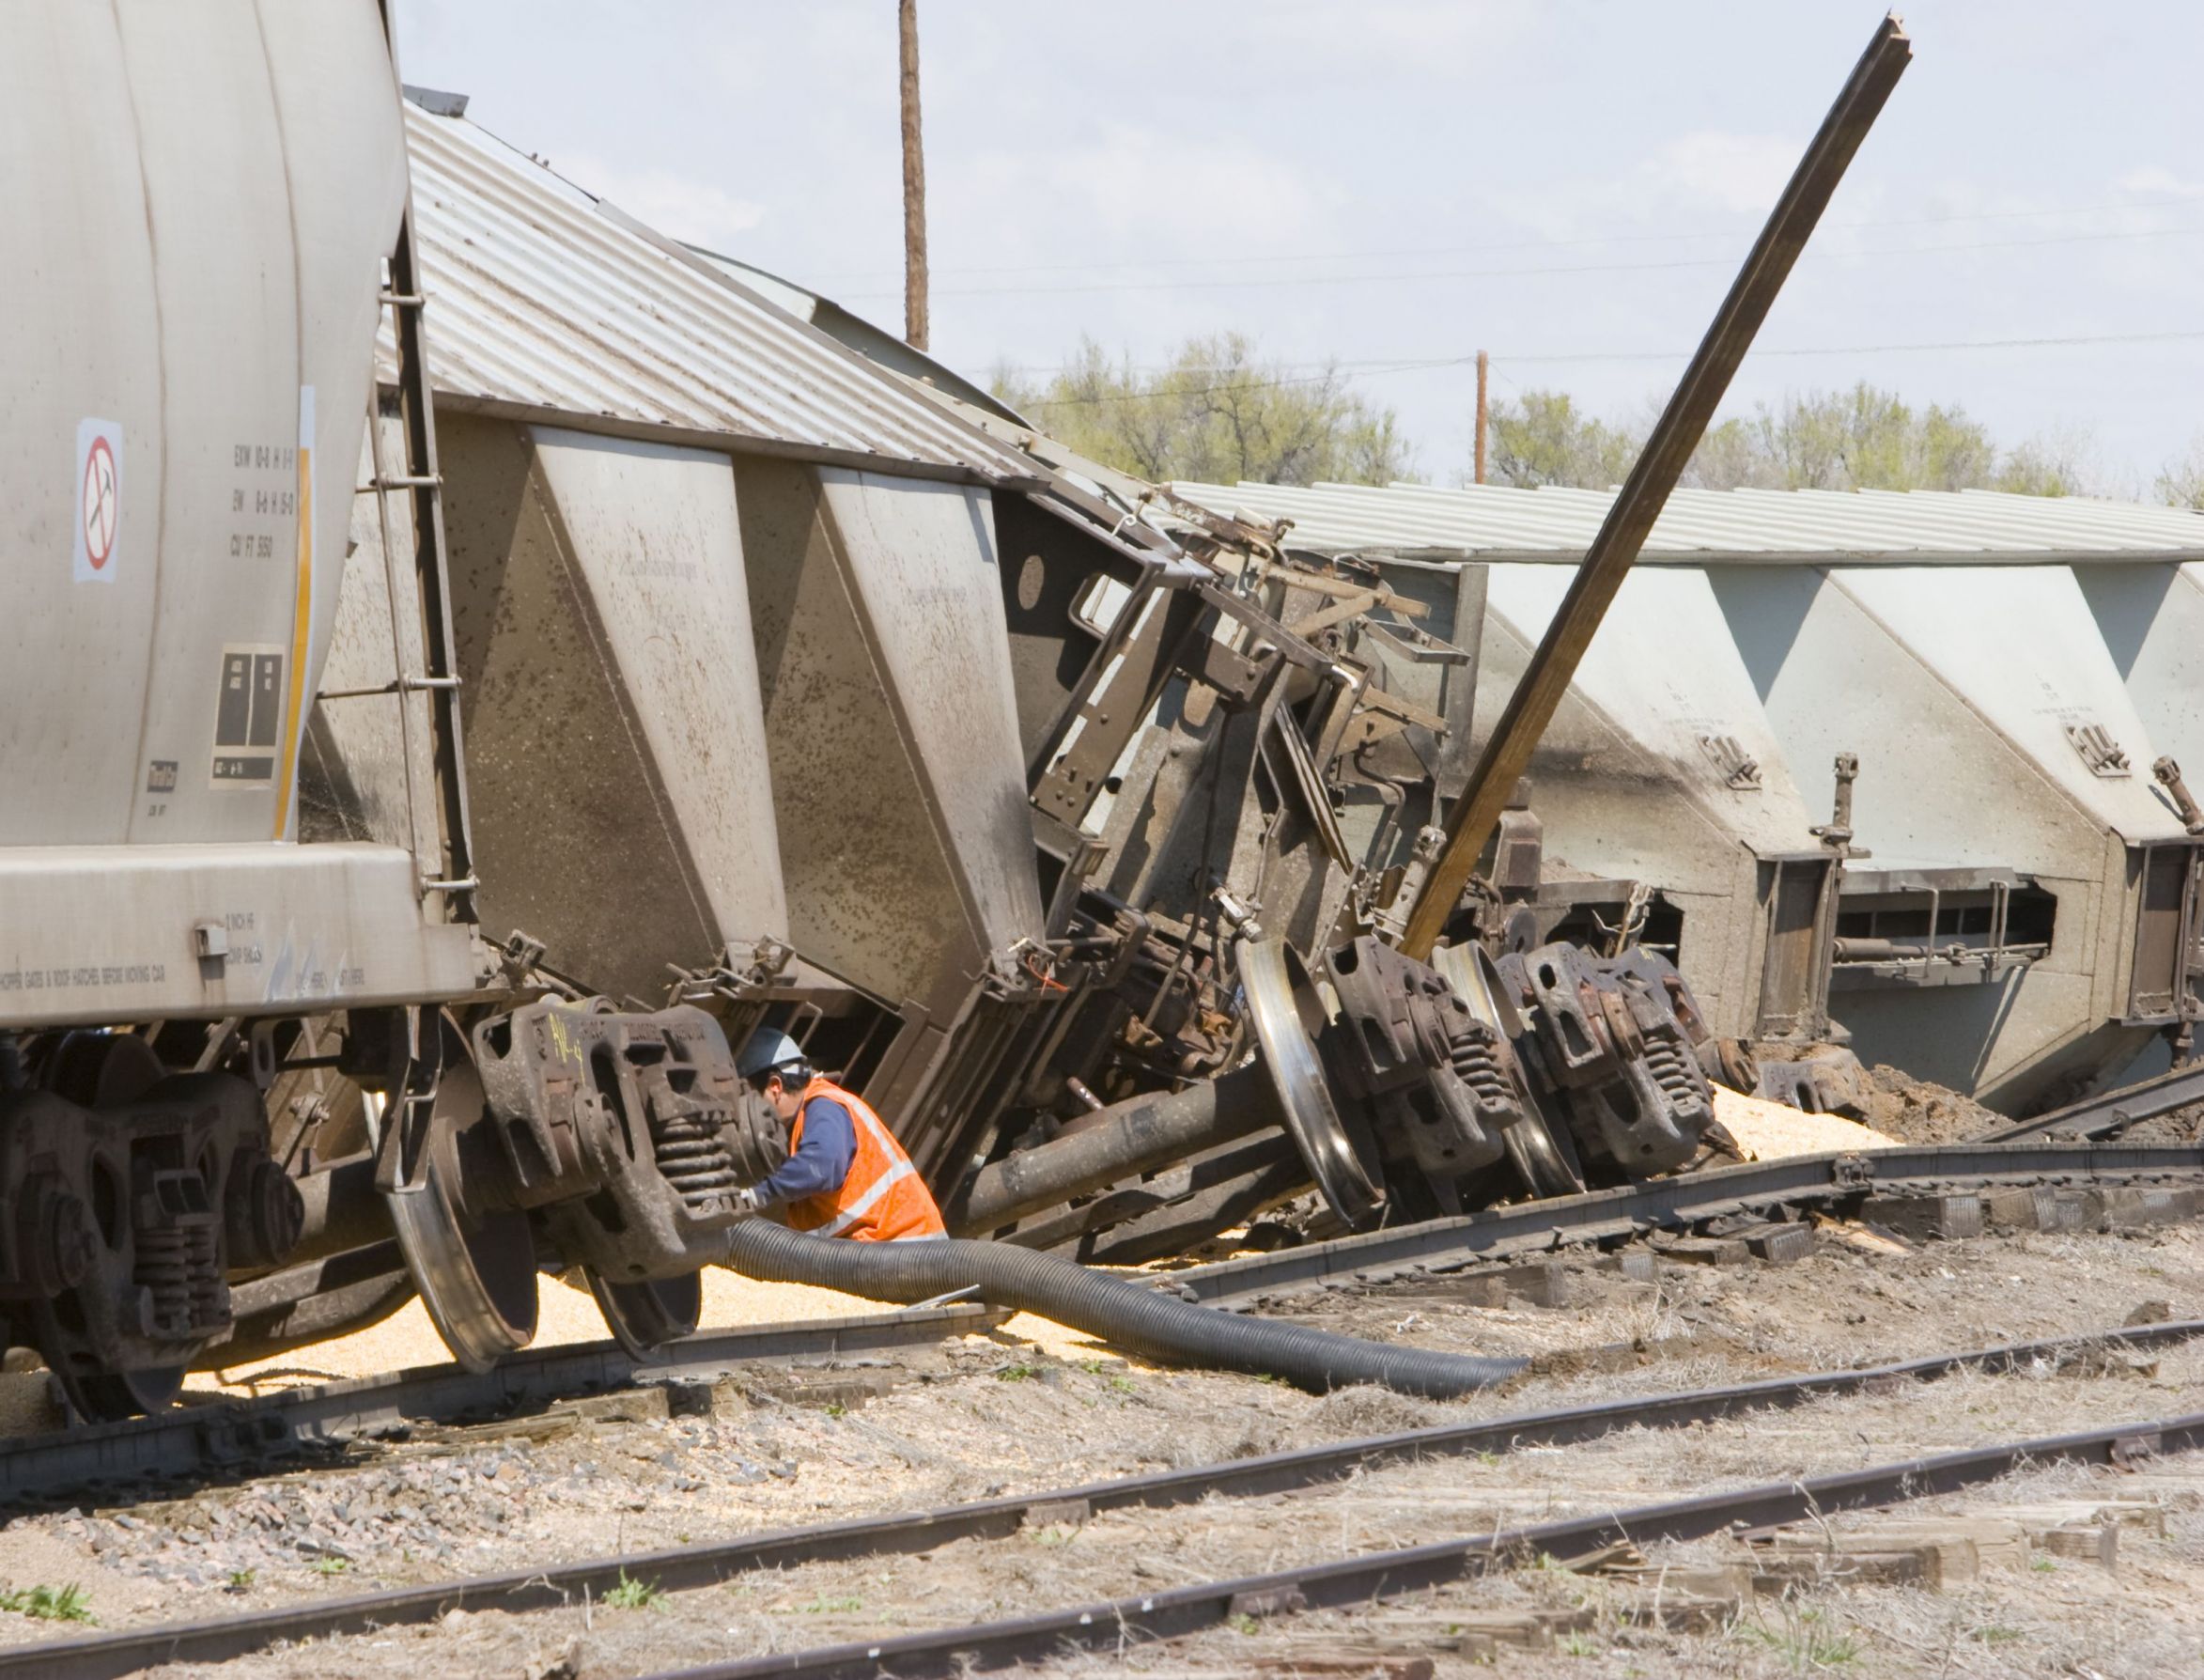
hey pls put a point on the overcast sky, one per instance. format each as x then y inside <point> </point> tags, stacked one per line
<point>1567,184</point>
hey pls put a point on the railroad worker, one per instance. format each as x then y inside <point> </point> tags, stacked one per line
<point>846,1175</point>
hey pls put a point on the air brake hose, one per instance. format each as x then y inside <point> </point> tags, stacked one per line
<point>1128,1315</point>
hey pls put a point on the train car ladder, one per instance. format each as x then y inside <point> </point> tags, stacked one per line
<point>450,870</point>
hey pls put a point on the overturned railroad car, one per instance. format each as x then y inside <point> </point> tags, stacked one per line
<point>487,660</point>
<point>800,691</point>
<point>2000,687</point>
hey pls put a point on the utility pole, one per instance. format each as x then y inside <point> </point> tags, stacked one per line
<point>915,185</point>
<point>1482,364</point>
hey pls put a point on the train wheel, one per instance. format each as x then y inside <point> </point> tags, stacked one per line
<point>106,1396</point>
<point>96,1394</point>
<point>644,1317</point>
<point>475,1270</point>
<point>96,1070</point>
<point>1543,1154</point>
<point>1287,1013</point>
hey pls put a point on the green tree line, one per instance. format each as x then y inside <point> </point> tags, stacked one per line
<point>1219,412</point>
<point>1862,439</point>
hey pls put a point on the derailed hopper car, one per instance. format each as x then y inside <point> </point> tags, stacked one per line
<point>840,748</point>
<point>2003,679</point>
<point>1073,816</point>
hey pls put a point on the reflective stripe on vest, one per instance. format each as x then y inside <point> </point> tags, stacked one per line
<point>882,1198</point>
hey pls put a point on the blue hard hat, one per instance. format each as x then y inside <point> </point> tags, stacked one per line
<point>769,1047</point>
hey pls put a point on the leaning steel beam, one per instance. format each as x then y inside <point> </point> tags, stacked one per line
<point>2113,1111</point>
<point>1675,435</point>
<point>224,1435</point>
<point>1359,1581</point>
<point>228,1637</point>
<point>1667,1203</point>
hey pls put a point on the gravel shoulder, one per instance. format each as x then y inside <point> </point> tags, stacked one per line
<point>1000,1414</point>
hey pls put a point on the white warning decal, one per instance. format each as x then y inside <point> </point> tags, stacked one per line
<point>99,499</point>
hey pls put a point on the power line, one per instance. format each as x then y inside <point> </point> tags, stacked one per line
<point>2059,341</point>
<point>1272,281</point>
<point>1604,239</point>
<point>1377,368</point>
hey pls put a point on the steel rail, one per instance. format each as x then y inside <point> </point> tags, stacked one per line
<point>1634,1209</point>
<point>227,1436</point>
<point>2112,1111</point>
<point>104,1655</point>
<point>1361,1581</point>
<point>224,1436</point>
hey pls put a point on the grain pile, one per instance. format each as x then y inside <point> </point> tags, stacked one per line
<point>1766,1130</point>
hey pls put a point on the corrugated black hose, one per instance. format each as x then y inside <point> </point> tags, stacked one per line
<point>1128,1315</point>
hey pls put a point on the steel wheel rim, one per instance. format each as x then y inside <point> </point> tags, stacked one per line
<point>1297,1077</point>
<point>479,1285</point>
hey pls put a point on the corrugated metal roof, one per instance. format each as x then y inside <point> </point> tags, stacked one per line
<point>1547,523</point>
<point>542,302</point>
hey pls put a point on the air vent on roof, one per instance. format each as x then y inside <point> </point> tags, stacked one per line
<point>436,102</point>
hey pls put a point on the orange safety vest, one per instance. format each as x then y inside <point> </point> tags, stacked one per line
<point>882,1199</point>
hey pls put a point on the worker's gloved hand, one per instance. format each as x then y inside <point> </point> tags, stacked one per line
<point>748,1202</point>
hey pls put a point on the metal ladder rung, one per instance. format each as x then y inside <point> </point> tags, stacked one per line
<point>402,300</point>
<point>390,481</point>
<point>407,684</point>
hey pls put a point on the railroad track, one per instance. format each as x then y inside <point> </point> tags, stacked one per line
<point>1671,1203</point>
<point>230,1436</point>
<point>2112,1111</point>
<point>1374,1577</point>
<point>1188,1610</point>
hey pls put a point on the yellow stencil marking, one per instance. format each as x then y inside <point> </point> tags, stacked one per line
<point>302,614</point>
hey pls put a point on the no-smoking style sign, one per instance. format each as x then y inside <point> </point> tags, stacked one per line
<point>98,500</point>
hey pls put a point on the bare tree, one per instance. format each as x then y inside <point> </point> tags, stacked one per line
<point>2180,484</point>
<point>1217,414</point>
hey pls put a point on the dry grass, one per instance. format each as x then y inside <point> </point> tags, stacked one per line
<point>966,1435</point>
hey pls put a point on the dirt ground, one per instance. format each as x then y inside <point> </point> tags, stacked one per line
<point>990,1415</point>
<point>2182,1126</point>
<point>1920,1111</point>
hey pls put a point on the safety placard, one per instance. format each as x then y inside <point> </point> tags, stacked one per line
<point>99,499</point>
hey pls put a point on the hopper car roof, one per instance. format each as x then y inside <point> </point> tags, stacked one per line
<point>548,304</point>
<point>1491,522</point>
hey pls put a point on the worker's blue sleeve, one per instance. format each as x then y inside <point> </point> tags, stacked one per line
<point>822,1158</point>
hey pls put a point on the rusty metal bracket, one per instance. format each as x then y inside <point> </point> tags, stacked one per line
<point>1236,677</point>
